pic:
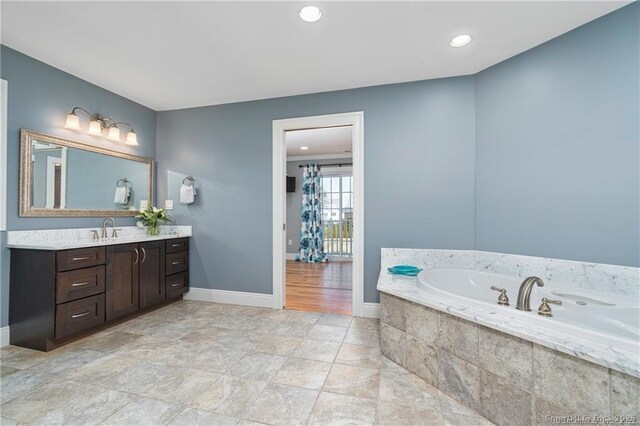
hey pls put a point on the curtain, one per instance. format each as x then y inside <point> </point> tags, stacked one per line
<point>312,230</point>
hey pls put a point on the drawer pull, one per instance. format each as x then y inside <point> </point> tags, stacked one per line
<point>80,284</point>
<point>176,262</point>
<point>84,314</point>
<point>76,259</point>
<point>177,284</point>
<point>176,245</point>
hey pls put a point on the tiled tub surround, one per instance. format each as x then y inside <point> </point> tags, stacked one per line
<point>512,377</point>
<point>62,239</point>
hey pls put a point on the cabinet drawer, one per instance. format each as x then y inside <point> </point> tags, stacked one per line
<point>79,258</point>
<point>72,317</point>
<point>72,285</point>
<point>177,284</point>
<point>177,244</point>
<point>177,262</point>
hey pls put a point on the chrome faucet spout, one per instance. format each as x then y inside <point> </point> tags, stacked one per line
<point>524,293</point>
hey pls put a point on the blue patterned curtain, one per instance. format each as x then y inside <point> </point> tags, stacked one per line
<point>312,232</point>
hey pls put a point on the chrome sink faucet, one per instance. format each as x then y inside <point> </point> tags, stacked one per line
<point>104,227</point>
<point>524,293</point>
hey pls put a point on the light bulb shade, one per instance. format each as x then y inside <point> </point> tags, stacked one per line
<point>460,41</point>
<point>73,122</point>
<point>114,134</point>
<point>310,14</point>
<point>95,128</point>
<point>132,138</point>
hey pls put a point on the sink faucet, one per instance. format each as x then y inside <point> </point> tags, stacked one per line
<point>104,225</point>
<point>524,294</point>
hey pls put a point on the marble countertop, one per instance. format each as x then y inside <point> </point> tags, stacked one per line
<point>64,239</point>
<point>588,349</point>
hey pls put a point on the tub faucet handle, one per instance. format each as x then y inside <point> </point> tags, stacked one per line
<point>502,298</point>
<point>544,309</point>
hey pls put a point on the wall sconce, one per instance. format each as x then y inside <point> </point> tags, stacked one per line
<point>99,123</point>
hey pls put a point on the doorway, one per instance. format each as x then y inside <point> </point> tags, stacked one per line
<point>319,218</point>
<point>337,285</point>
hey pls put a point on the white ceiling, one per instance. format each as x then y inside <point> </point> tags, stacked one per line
<point>170,55</point>
<point>322,141</point>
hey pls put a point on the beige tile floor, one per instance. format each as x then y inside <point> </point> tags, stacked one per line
<point>197,363</point>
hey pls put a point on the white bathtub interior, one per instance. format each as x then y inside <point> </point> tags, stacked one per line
<point>610,318</point>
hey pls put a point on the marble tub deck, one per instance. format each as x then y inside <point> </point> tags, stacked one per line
<point>204,363</point>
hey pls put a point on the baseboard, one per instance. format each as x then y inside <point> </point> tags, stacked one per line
<point>230,297</point>
<point>291,256</point>
<point>371,310</point>
<point>4,336</point>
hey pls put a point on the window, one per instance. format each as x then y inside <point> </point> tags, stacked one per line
<point>337,214</point>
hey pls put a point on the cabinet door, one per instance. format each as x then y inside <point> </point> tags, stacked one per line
<point>152,277</point>
<point>123,262</point>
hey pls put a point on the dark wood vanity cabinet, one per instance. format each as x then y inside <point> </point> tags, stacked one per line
<point>58,296</point>
<point>152,273</point>
<point>122,295</point>
<point>177,267</point>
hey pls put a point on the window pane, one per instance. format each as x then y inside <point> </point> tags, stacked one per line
<point>346,183</point>
<point>335,184</point>
<point>335,201</point>
<point>346,201</point>
<point>326,185</point>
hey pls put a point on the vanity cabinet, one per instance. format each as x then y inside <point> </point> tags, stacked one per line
<point>122,295</point>
<point>152,273</point>
<point>60,295</point>
<point>177,267</point>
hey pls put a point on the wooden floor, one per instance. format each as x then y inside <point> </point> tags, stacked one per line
<point>319,287</point>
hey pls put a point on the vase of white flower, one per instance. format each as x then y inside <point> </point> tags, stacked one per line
<point>152,218</point>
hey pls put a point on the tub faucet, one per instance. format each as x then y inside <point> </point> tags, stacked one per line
<point>524,294</point>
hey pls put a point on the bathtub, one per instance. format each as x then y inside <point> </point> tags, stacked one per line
<point>446,327</point>
<point>610,319</point>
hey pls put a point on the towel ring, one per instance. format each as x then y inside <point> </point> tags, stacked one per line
<point>190,179</point>
<point>123,181</point>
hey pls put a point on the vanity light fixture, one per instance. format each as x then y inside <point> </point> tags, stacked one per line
<point>310,14</point>
<point>304,148</point>
<point>99,123</point>
<point>461,40</point>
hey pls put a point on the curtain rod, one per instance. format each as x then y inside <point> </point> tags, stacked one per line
<point>329,165</point>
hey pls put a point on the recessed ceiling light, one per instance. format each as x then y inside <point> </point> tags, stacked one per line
<point>461,40</point>
<point>310,14</point>
<point>304,148</point>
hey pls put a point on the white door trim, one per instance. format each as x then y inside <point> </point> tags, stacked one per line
<point>3,155</point>
<point>356,120</point>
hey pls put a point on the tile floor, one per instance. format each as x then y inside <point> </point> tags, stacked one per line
<point>197,363</point>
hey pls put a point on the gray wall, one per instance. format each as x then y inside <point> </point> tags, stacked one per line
<point>39,98</point>
<point>294,201</point>
<point>419,158</point>
<point>558,146</point>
